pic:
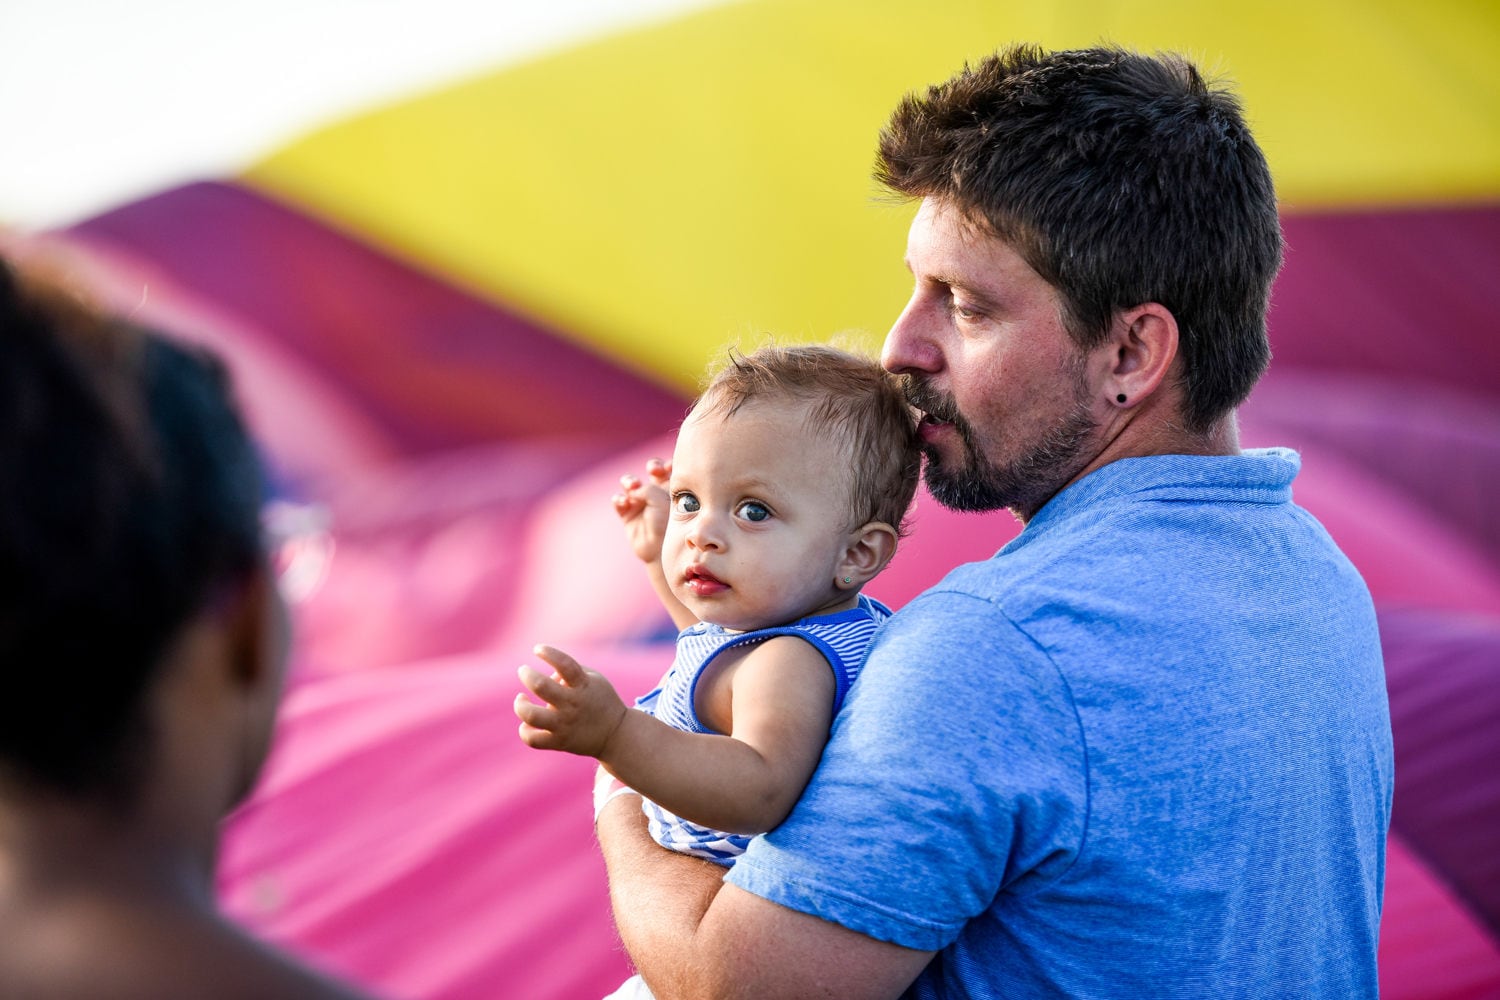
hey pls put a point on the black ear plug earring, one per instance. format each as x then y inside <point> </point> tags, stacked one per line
<point>1120,398</point>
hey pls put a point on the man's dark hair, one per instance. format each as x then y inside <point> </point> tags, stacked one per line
<point>1121,179</point>
<point>129,500</point>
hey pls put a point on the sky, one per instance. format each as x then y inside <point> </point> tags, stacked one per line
<point>103,101</point>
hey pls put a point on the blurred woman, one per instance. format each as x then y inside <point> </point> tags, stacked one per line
<point>142,646</point>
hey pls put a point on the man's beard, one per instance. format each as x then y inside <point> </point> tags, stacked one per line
<point>1024,484</point>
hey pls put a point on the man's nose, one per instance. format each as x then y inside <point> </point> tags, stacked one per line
<point>909,346</point>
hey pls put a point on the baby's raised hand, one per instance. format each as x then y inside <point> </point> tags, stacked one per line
<point>643,506</point>
<point>582,709</point>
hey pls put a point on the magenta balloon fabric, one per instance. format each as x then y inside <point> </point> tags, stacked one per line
<point>403,837</point>
<point>1410,294</point>
<point>1443,672</point>
<point>1431,946</point>
<point>1437,446</point>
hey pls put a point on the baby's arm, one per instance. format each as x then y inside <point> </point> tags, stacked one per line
<point>643,507</point>
<point>775,700</point>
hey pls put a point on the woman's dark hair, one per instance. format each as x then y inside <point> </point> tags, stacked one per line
<point>130,499</point>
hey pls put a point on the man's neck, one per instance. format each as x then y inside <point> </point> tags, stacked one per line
<point>1145,437</point>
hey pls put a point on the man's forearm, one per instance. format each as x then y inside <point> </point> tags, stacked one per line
<point>695,937</point>
<point>659,898</point>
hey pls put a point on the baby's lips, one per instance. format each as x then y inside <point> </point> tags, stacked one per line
<point>699,573</point>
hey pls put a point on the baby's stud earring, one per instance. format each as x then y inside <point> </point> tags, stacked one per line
<point>848,579</point>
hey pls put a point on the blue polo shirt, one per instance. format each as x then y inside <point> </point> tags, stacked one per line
<point>1143,751</point>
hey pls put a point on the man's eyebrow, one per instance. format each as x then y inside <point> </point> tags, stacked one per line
<point>938,277</point>
<point>950,281</point>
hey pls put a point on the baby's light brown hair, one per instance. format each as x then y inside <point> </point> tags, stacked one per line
<point>849,396</point>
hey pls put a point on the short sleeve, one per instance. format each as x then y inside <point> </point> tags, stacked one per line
<point>956,771</point>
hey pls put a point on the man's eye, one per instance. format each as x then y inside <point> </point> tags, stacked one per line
<point>684,503</point>
<point>750,510</point>
<point>962,311</point>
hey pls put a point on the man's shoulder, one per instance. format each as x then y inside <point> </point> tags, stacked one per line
<point>978,609</point>
<point>1015,577</point>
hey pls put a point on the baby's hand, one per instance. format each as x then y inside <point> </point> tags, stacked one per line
<point>582,710</point>
<point>643,507</point>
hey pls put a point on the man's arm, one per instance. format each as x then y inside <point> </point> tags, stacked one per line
<point>694,938</point>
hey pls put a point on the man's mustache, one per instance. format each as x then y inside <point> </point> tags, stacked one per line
<point>938,406</point>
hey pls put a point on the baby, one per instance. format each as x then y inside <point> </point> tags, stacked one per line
<point>785,496</point>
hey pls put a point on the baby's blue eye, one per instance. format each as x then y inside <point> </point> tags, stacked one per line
<point>685,503</point>
<point>750,510</point>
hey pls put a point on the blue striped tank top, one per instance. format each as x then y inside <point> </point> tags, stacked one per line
<point>841,637</point>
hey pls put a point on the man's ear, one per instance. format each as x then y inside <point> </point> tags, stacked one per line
<point>868,550</point>
<point>1141,347</point>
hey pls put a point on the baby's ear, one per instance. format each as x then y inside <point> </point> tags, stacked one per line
<point>869,549</point>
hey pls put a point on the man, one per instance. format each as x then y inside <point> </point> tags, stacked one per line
<point>1145,749</point>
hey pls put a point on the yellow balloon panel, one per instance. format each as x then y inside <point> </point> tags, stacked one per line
<point>663,192</point>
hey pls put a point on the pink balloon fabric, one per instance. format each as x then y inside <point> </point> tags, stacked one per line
<point>404,837</point>
<point>1443,673</point>
<point>1431,945</point>
<point>1409,294</point>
